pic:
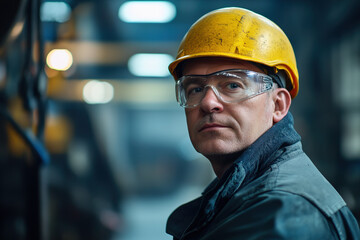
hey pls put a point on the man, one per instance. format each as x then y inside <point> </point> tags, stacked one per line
<point>236,76</point>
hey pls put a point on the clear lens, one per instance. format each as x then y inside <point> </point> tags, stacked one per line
<point>230,86</point>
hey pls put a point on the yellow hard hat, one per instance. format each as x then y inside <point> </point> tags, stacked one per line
<point>239,34</point>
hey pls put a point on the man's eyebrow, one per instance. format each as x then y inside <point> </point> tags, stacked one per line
<point>194,80</point>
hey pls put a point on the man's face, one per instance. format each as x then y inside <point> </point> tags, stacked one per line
<point>217,128</point>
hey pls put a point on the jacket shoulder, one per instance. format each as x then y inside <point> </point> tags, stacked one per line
<point>272,215</point>
<point>295,173</point>
<point>299,176</point>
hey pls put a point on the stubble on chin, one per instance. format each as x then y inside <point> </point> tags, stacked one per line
<point>221,160</point>
<point>215,144</point>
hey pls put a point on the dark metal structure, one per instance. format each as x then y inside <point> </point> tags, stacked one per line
<point>21,51</point>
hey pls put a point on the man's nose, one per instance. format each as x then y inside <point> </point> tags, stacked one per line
<point>211,102</point>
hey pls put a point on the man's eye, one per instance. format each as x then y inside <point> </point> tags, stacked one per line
<point>234,85</point>
<point>194,90</point>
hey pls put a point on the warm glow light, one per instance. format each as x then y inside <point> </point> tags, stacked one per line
<point>59,59</point>
<point>17,29</point>
<point>150,11</point>
<point>95,92</point>
<point>150,64</point>
<point>55,12</point>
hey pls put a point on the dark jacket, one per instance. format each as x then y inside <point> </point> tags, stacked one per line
<point>273,191</point>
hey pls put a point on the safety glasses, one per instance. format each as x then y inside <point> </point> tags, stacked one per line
<point>230,86</point>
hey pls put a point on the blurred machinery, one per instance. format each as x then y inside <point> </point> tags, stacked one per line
<point>38,200</point>
<point>22,120</point>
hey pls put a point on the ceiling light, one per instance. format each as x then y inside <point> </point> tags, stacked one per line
<point>150,64</point>
<point>95,92</point>
<point>149,11</point>
<point>59,59</point>
<point>55,12</point>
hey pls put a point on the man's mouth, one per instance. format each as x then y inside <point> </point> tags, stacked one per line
<point>211,126</point>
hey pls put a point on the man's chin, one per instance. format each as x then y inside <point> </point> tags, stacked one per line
<point>216,152</point>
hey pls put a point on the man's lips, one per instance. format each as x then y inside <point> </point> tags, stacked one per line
<point>210,126</point>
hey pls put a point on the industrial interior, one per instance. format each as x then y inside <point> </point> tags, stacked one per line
<point>93,144</point>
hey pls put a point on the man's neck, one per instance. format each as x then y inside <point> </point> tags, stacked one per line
<point>221,163</point>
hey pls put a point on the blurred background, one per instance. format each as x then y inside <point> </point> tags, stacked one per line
<point>92,142</point>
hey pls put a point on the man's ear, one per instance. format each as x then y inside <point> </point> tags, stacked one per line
<point>282,101</point>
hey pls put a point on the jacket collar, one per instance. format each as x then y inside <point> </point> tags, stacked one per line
<point>251,164</point>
